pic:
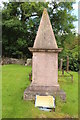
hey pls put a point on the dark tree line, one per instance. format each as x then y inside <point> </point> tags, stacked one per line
<point>20,21</point>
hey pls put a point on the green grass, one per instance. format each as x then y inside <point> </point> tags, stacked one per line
<point>15,80</point>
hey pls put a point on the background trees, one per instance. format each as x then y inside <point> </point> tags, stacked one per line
<point>20,23</point>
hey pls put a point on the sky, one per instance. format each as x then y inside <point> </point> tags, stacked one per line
<point>74,12</point>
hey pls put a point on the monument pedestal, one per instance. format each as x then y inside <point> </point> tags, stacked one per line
<point>32,91</point>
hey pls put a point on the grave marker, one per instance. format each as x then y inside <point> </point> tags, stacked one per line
<point>44,62</point>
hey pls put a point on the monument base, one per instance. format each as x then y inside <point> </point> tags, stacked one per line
<point>32,91</point>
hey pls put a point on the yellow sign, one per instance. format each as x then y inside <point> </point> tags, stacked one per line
<point>45,101</point>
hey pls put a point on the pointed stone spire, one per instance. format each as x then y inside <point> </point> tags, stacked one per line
<point>45,38</point>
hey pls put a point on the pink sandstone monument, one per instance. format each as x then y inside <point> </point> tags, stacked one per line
<point>44,62</point>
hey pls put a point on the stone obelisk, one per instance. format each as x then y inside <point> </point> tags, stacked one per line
<point>44,62</point>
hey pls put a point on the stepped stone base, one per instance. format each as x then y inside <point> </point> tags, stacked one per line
<point>32,91</point>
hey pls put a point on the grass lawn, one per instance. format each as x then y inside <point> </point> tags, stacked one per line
<point>15,80</point>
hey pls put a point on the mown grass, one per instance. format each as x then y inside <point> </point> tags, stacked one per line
<point>15,79</point>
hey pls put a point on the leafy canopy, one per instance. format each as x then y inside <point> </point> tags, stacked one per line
<point>20,21</point>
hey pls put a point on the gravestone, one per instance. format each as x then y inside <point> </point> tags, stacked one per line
<point>29,62</point>
<point>61,64</point>
<point>67,67</point>
<point>44,62</point>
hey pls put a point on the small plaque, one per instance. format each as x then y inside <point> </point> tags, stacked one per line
<point>45,102</point>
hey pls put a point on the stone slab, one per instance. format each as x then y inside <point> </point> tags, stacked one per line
<point>32,91</point>
<point>45,50</point>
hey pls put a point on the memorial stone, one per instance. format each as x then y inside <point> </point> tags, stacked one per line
<point>44,62</point>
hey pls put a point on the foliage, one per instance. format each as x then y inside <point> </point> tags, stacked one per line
<point>13,86</point>
<point>20,25</point>
<point>70,49</point>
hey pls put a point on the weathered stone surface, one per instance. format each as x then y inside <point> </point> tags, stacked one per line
<point>32,91</point>
<point>45,50</point>
<point>45,37</point>
<point>45,69</point>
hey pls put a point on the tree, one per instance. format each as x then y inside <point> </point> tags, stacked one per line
<point>19,28</point>
<point>21,20</point>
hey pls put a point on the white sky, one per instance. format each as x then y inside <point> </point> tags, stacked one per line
<point>75,12</point>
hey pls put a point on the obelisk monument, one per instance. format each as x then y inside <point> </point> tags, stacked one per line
<point>44,62</point>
